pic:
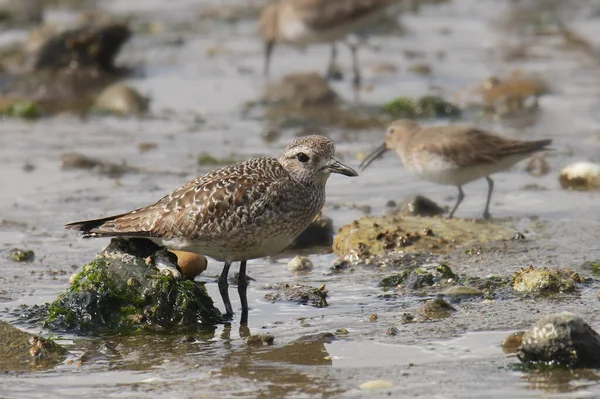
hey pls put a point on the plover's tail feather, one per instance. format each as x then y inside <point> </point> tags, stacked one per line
<point>102,228</point>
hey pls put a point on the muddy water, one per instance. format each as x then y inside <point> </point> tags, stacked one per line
<point>199,74</point>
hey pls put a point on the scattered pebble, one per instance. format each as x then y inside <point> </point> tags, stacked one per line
<point>22,255</point>
<point>580,176</point>
<point>300,264</point>
<point>376,384</point>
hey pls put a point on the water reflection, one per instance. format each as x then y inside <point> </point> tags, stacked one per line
<point>561,381</point>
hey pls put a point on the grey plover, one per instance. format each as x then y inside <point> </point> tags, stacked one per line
<point>244,211</point>
<point>304,22</point>
<point>454,155</point>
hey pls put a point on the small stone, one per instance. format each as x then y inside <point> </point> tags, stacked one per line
<point>518,236</point>
<point>341,331</point>
<point>22,255</point>
<point>512,342</point>
<point>544,280</point>
<point>561,340</point>
<point>373,317</point>
<point>376,384</point>
<point>254,340</point>
<point>436,309</point>
<point>420,206</point>
<point>580,176</point>
<point>121,99</point>
<point>300,264</point>
<point>407,318</point>
<point>392,331</point>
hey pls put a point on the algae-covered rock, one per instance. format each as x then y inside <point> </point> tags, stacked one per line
<point>424,107</point>
<point>545,281</point>
<point>560,340</point>
<point>22,255</point>
<point>300,293</point>
<point>21,351</point>
<point>123,290</point>
<point>582,176</point>
<point>371,237</point>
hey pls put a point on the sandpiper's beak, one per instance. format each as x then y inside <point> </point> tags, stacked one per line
<point>379,151</point>
<point>336,166</point>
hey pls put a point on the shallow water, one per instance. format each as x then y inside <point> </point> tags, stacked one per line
<point>197,100</point>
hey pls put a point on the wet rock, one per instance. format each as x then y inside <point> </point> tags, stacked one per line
<point>424,107</point>
<point>73,161</point>
<point>121,99</point>
<point>300,264</point>
<point>300,293</point>
<point>131,285</point>
<point>462,292</point>
<point>410,279</point>
<point>22,255</point>
<point>376,384</point>
<point>368,239</point>
<point>191,264</point>
<point>436,309</point>
<point>419,205</point>
<point>512,342</point>
<point>545,281</point>
<point>258,340</point>
<point>582,176</point>
<point>373,318</point>
<point>85,47</point>
<point>21,351</point>
<point>301,90</point>
<point>561,340</point>
<point>318,233</point>
<point>319,338</point>
<point>516,93</point>
<point>420,69</point>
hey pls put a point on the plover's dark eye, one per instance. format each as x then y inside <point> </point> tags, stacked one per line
<point>302,157</point>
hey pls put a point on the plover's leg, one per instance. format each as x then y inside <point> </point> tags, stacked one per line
<point>224,289</point>
<point>163,262</point>
<point>333,73</point>
<point>486,212</point>
<point>356,80</point>
<point>461,196</point>
<point>242,286</point>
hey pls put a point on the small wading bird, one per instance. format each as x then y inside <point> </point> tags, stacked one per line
<point>244,211</point>
<point>304,22</point>
<point>454,155</point>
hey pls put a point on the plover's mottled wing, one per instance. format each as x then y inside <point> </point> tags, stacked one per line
<point>211,205</point>
<point>325,14</point>
<point>468,146</point>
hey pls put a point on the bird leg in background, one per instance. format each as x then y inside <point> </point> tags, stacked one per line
<point>333,72</point>
<point>223,289</point>
<point>461,196</point>
<point>356,79</point>
<point>486,212</point>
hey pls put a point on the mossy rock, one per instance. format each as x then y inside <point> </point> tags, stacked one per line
<point>21,351</point>
<point>545,281</point>
<point>424,107</point>
<point>370,237</point>
<point>119,292</point>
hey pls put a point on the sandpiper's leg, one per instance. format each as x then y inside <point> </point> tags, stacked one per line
<point>486,212</point>
<point>333,73</point>
<point>268,51</point>
<point>356,80</point>
<point>224,289</point>
<point>242,283</point>
<point>461,196</point>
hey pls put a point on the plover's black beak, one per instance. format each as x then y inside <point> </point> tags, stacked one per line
<point>336,166</point>
<point>379,151</point>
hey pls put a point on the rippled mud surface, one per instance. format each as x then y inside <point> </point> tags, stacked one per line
<point>200,74</point>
